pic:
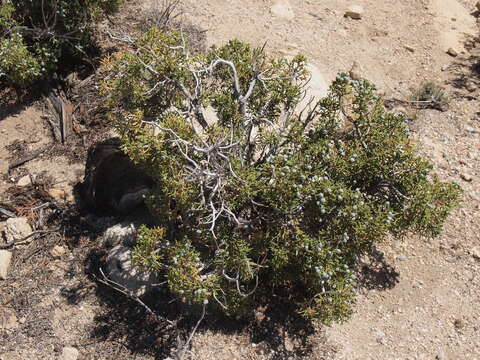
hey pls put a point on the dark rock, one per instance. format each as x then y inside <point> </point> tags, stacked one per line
<point>112,181</point>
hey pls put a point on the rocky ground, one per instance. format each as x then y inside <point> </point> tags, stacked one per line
<point>419,298</point>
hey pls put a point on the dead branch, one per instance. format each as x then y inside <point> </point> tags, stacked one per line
<point>182,346</point>
<point>127,292</point>
<point>25,240</point>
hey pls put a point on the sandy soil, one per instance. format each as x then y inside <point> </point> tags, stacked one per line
<point>421,297</point>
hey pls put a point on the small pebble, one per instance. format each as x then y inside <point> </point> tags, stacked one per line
<point>452,52</point>
<point>354,12</point>
<point>441,356</point>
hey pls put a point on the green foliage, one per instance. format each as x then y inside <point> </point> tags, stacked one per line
<point>16,62</point>
<point>265,199</point>
<point>36,35</point>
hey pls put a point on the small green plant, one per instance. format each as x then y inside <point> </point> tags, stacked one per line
<point>430,95</point>
<point>256,197</point>
<point>37,35</point>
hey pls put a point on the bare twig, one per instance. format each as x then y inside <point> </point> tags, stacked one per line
<point>180,353</point>
<point>182,347</point>
<point>127,292</point>
<point>27,158</point>
<point>25,238</point>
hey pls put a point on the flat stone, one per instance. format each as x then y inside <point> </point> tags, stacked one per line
<point>5,260</point>
<point>283,9</point>
<point>57,251</point>
<point>17,228</point>
<point>452,52</point>
<point>24,181</point>
<point>121,270</point>
<point>354,12</point>
<point>69,353</point>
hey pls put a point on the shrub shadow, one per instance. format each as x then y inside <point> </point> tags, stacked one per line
<point>376,273</point>
<point>276,329</point>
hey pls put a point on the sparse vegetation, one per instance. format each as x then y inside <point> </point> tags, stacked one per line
<point>36,36</point>
<point>261,198</point>
<point>430,95</point>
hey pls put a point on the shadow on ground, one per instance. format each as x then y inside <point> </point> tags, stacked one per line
<point>466,70</point>
<point>135,334</point>
<point>376,274</point>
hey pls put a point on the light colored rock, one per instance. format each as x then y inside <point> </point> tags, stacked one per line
<point>283,9</point>
<point>8,320</point>
<point>470,129</point>
<point>17,228</point>
<point>5,260</point>
<point>69,353</point>
<point>24,181</point>
<point>356,71</point>
<point>57,194</point>
<point>452,52</point>
<point>475,252</point>
<point>466,177</point>
<point>3,225</point>
<point>441,356</point>
<point>121,270</point>
<point>289,345</point>
<point>211,116</point>
<point>57,251</point>
<point>317,86</point>
<point>123,234</point>
<point>355,12</point>
<point>470,86</point>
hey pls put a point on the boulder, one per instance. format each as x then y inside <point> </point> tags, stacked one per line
<point>112,181</point>
<point>119,268</point>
